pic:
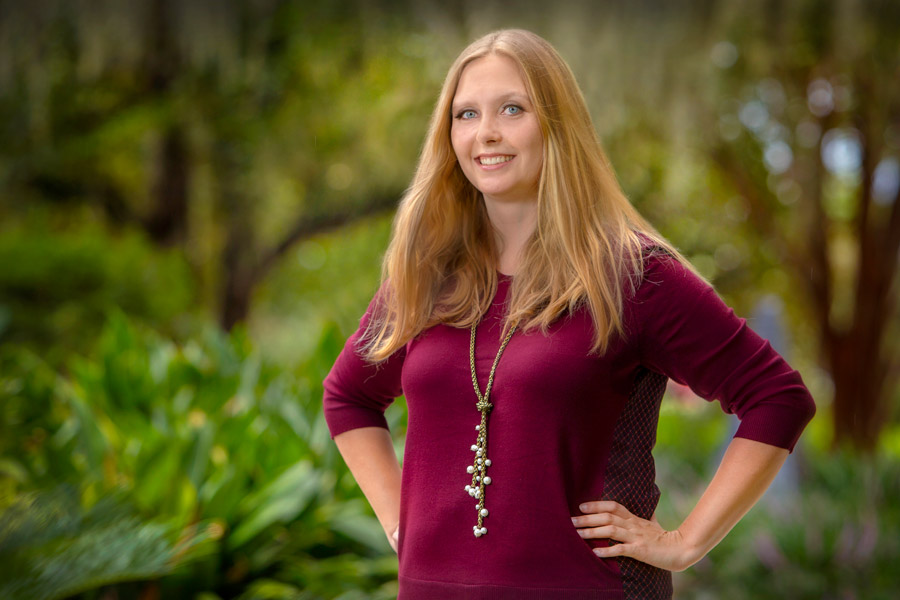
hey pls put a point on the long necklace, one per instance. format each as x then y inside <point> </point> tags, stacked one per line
<point>478,468</point>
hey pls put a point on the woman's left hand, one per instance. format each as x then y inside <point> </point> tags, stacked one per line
<point>639,538</point>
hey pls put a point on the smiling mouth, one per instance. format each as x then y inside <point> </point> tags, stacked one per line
<point>494,160</point>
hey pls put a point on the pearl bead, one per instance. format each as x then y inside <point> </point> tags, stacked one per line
<point>479,461</point>
<point>478,452</point>
<point>483,530</point>
<point>487,462</point>
<point>487,481</point>
<point>468,487</point>
<point>478,478</point>
<point>470,469</point>
<point>478,428</point>
<point>477,533</point>
<point>484,512</point>
<point>474,448</point>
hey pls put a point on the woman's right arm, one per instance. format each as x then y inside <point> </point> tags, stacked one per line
<point>356,394</point>
<point>369,454</point>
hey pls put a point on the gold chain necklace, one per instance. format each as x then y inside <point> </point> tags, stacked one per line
<point>478,469</point>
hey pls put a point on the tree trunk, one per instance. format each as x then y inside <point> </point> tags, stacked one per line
<point>167,221</point>
<point>863,364</point>
<point>238,283</point>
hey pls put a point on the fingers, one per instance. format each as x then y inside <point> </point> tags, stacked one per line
<point>605,506</point>
<point>598,520</point>
<point>614,550</point>
<point>394,539</point>
<point>611,520</point>
<point>613,532</point>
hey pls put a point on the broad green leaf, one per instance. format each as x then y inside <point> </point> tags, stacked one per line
<point>279,502</point>
<point>156,473</point>
<point>364,529</point>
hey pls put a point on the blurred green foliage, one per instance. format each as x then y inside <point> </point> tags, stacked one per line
<point>206,439</point>
<point>58,285</point>
<point>50,546</point>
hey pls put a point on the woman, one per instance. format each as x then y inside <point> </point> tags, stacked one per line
<point>531,317</point>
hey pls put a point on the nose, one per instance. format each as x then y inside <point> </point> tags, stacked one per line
<point>488,131</point>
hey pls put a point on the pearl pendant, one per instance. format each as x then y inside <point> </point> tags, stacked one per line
<point>481,462</point>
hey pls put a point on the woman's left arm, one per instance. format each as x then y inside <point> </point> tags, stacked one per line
<point>746,471</point>
<point>689,334</point>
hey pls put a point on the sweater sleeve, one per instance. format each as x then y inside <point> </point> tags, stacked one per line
<point>690,335</point>
<point>356,392</point>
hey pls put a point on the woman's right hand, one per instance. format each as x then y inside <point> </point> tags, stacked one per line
<point>394,538</point>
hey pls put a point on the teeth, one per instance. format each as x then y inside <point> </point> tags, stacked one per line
<point>494,160</point>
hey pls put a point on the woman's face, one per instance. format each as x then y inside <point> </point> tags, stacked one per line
<point>495,131</point>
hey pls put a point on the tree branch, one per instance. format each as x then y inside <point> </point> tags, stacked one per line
<point>310,225</point>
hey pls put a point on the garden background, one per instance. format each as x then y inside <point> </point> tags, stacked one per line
<point>195,197</point>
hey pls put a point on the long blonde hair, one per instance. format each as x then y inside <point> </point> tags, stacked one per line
<point>586,248</point>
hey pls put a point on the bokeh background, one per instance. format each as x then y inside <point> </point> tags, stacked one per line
<point>195,197</point>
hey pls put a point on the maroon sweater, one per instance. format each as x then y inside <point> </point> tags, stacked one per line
<point>566,427</point>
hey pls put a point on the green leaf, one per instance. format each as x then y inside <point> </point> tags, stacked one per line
<point>364,529</point>
<point>156,474</point>
<point>280,501</point>
<point>50,547</point>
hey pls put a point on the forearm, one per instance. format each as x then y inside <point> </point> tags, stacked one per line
<point>369,453</point>
<point>746,471</point>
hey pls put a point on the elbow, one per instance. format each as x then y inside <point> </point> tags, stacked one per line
<point>808,407</point>
<point>805,410</point>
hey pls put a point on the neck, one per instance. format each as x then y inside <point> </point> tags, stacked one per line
<point>513,224</point>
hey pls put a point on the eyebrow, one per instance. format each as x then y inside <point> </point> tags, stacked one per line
<point>456,106</point>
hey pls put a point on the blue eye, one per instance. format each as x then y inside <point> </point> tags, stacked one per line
<point>512,109</point>
<point>466,114</point>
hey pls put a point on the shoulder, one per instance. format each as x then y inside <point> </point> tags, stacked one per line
<point>669,286</point>
<point>661,268</point>
<point>658,259</point>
